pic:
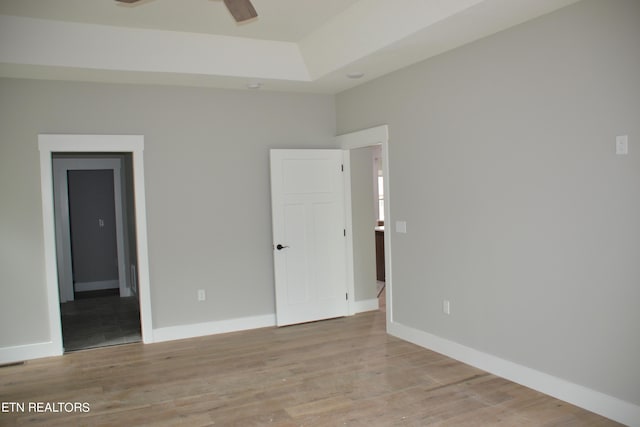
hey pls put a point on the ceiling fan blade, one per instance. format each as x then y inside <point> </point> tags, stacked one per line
<point>128,1</point>
<point>242,10</point>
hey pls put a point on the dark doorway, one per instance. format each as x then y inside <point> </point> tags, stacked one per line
<point>99,314</point>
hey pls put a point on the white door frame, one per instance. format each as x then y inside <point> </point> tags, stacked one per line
<point>134,144</point>
<point>378,135</point>
<point>61,207</point>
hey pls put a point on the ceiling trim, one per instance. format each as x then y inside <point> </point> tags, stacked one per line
<point>373,37</point>
<point>369,26</point>
<point>90,46</point>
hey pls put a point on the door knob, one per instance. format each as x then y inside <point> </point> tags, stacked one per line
<point>280,247</point>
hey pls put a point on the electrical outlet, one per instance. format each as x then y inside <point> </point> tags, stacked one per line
<point>622,145</point>
<point>446,307</point>
<point>201,295</point>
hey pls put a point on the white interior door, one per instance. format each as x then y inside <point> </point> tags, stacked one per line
<point>308,207</point>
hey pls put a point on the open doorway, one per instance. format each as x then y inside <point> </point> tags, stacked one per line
<point>361,230</point>
<point>367,210</point>
<point>96,249</point>
<point>379,202</point>
<point>50,144</point>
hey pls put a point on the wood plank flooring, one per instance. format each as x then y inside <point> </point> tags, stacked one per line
<point>341,372</point>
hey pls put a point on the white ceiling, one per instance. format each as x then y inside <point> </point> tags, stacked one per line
<point>293,45</point>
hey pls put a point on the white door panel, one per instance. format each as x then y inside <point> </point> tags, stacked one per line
<point>308,220</point>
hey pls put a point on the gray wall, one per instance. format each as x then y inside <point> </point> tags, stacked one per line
<point>207,187</point>
<point>518,211</point>
<point>363,222</point>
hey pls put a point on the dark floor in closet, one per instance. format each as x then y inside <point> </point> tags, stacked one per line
<point>99,320</point>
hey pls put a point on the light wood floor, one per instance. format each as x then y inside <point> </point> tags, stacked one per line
<point>339,372</point>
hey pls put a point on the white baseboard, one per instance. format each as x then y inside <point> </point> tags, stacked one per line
<point>365,305</point>
<point>210,328</point>
<point>591,400</point>
<point>21,353</point>
<point>96,286</point>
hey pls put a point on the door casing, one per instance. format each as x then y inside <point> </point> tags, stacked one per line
<point>378,135</point>
<point>49,144</point>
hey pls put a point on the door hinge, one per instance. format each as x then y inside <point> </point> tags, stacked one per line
<point>344,232</point>
<point>346,296</point>
<point>341,168</point>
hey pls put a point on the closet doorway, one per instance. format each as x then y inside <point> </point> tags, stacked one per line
<point>67,144</point>
<point>95,246</point>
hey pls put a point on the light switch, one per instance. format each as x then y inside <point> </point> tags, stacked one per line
<point>622,145</point>
<point>401,226</point>
<point>446,306</point>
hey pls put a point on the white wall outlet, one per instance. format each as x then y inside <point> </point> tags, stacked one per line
<point>401,227</point>
<point>201,295</point>
<point>446,307</point>
<point>622,145</point>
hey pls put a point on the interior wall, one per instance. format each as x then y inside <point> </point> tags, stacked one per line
<point>363,223</point>
<point>518,210</point>
<point>207,190</point>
